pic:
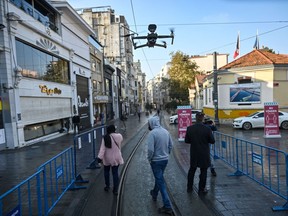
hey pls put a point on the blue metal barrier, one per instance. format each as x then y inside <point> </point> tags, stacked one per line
<point>265,165</point>
<point>58,177</point>
<point>21,199</point>
<point>86,145</point>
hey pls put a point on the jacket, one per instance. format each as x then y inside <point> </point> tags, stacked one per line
<point>159,141</point>
<point>112,156</point>
<point>199,136</point>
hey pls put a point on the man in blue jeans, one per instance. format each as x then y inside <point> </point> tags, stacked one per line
<point>159,144</point>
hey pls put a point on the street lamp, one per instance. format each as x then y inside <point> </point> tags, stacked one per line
<point>215,88</point>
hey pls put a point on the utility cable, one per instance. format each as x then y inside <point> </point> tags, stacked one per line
<point>133,13</point>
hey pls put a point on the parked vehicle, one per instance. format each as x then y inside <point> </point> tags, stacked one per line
<point>256,120</point>
<point>174,118</point>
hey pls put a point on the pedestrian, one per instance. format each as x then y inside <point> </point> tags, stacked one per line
<point>123,119</point>
<point>213,127</point>
<point>111,157</point>
<point>158,112</point>
<point>67,125</point>
<point>102,118</point>
<point>76,123</point>
<point>159,144</point>
<point>199,137</point>
<point>139,113</point>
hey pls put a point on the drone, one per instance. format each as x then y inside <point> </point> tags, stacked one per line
<point>152,38</point>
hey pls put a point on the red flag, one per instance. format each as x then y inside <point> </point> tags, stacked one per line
<point>236,53</point>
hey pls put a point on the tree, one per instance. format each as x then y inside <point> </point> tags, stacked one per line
<point>183,70</point>
<point>178,93</point>
<point>268,49</point>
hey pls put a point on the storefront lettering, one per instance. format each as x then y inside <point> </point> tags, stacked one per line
<point>82,104</point>
<point>45,89</point>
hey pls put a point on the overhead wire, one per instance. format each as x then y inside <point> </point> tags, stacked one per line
<point>247,38</point>
<point>134,19</point>
<point>220,23</point>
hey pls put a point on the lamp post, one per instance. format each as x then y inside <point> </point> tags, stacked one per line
<point>215,88</point>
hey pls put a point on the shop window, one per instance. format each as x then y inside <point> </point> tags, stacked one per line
<point>40,65</point>
<point>39,130</point>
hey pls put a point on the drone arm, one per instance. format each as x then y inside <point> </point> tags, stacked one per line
<point>140,46</point>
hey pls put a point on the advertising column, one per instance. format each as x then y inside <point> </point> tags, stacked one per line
<point>271,116</point>
<point>184,120</point>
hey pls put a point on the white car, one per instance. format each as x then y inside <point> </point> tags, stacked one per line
<point>174,118</point>
<point>256,120</point>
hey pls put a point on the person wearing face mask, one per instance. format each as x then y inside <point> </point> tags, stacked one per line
<point>159,143</point>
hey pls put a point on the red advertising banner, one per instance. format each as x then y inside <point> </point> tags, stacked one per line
<point>271,122</point>
<point>184,120</point>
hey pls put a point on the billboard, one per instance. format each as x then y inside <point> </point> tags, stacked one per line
<point>184,120</point>
<point>245,93</point>
<point>271,115</point>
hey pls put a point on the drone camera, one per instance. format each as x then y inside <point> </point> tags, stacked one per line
<point>152,28</point>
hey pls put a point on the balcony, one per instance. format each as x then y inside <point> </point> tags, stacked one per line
<point>40,11</point>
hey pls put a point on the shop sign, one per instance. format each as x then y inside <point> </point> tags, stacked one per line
<point>101,98</point>
<point>49,91</point>
<point>82,104</point>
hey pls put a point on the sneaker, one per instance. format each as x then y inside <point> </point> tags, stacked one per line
<point>165,210</point>
<point>154,198</point>
<point>213,172</point>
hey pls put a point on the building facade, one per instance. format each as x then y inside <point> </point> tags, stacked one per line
<point>114,34</point>
<point>45,70</point>
<point>244,85</point>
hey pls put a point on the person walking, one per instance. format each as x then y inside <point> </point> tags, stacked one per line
<point>123,119</point>
<point>139,113</point>
<point>213,127</point>
<point>199,137</point>
<point>159,144</point>
<point>76,123</point>
<point>111,157</point>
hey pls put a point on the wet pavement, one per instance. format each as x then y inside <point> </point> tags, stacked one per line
<point>228,195</point>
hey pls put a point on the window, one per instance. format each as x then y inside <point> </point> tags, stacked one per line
<point>39,10</point>
<point>40,65</point>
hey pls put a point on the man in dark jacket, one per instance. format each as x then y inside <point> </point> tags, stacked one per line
<point>199,136</point>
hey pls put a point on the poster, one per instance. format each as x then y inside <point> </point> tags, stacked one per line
<point>245,93</point>
<point>184,120</point>
<point>271,120</point>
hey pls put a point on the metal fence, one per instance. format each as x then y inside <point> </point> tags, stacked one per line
<point>86,146</point>
<point>265,165</point>
<point>58,177</point>
<point>39,193</point>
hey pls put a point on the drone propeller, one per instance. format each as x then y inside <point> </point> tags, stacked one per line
<point>172,34</point>
<point>164,43</point>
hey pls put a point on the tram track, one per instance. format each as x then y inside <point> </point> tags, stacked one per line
<point>120,205</point>
<point>124,175</point>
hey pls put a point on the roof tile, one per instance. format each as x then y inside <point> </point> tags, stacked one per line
<point>257,57</point>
